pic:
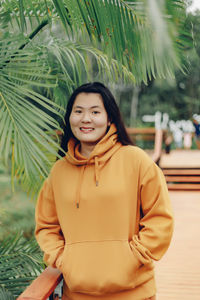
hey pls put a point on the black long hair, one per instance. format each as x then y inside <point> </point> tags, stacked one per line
<point>111,108</point>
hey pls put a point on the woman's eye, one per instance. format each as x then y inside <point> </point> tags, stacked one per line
<point>78,111</point>
<point>95,112</point>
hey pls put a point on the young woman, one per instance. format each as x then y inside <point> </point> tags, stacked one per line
<point>103,215</point>
<point>196,123</point>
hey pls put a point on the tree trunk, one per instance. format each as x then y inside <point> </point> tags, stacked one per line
<point>134,106</point>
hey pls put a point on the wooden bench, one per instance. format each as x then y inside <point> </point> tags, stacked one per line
<point>151,133</point>
<point>147,134</point>
<point>182,178</point>
<point>43,286</point>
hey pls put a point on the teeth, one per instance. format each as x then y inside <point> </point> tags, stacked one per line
<point>86,129</point>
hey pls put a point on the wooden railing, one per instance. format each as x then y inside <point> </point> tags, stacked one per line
<point>43,286</point>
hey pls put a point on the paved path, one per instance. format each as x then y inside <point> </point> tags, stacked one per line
<point>178,272</point>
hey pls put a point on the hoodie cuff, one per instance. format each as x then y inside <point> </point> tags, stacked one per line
<point>142,253</point>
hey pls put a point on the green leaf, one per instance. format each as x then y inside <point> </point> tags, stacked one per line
<point>5,294</point>
<point>20,263</point>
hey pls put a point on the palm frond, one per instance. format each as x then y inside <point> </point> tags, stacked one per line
<point>24,15</point>
<point>20,262</point>
<point>28,119</point>
<point>78,61</point>
<point>147,37</point>
<point>144,35</point>
<point>5,294</point>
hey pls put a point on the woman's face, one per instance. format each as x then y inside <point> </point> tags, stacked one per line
<point>89,119</point>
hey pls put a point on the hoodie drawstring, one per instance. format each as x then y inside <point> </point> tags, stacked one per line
<point>96,170</point>
<point>79,185</point>
<point>80,180</point>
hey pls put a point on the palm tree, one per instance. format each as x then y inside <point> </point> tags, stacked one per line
<point>49,47</point>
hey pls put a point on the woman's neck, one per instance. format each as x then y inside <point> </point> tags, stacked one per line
<point>86,149</point>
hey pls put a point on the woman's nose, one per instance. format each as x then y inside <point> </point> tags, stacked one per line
<point>86,117</point>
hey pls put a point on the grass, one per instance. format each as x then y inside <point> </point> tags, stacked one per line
<point>16,209</point>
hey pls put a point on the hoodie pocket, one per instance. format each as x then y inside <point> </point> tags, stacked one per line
<point>100,267</point>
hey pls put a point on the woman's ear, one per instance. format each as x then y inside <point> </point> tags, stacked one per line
<point>109,122</point>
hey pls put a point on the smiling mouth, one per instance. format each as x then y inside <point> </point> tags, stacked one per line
<point>86,129</point>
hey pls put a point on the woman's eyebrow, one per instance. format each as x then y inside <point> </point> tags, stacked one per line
<point>78,106</point>
<point>95,106</point>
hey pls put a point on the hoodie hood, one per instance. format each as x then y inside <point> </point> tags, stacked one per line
<point>101,153</point>
<point>104,149</point>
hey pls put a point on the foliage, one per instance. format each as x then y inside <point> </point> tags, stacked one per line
<point>179,97</point>
<point>20,126</point>
<point>16,215</point>
<point>41,63</point>
<point>20,263</point>
<point>145,36</point>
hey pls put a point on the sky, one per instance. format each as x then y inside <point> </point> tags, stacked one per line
<point>195,5</point>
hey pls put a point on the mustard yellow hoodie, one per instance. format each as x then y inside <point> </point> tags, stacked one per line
<point>102,220</point>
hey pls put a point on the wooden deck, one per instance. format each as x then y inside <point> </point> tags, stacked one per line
<point>181,159</point>
<point>178,272</point>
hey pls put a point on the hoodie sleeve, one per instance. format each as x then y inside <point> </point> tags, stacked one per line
<point>156,222</point>
<point>48,232</point>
